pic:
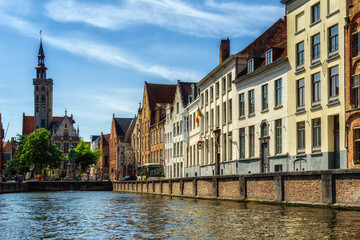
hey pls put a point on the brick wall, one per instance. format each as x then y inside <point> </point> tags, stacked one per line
<point>260,188</point>
<point>188,188</point>
<point>204,188</point>
<point>340,187</point>
<point>303,189</point>
<point>176,188</point>
<point>229,188</point>
<point>347,189</point>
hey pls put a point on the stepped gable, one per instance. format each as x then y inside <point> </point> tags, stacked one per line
<point>185,91</point>
<point>159,93</point>
<point>122,125</point>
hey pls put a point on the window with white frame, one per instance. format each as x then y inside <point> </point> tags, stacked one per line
<point>251,65</point>
<point>269,56</point>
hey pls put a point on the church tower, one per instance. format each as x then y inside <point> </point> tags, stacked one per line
<point>43,93</point>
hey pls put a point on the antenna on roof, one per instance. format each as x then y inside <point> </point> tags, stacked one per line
<point>40,35</point>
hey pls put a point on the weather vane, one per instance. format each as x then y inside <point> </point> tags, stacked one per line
<point>40,34</point>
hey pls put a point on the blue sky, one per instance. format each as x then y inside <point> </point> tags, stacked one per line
<point>99,53</point>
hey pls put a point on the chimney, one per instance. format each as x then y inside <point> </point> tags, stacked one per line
<point>224,50</point>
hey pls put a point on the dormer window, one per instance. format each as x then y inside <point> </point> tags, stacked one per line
<point>251,65</point>
<point>269,56</point>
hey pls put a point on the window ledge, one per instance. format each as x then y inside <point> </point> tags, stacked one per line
<point>278,107</point>
<point>229,89</point>
<point>333,13</point>
<point>301,153</point>
<point>300,111</point>
<point>229,122</point>
<point>300,31</point>
<point>300,69</point>
<point>251,115</point>
<point>264,111</point>
<point>333,102</point>
<point>315,63</point>
<point>279,155</point>
<point>315,23</point>
<point>316,107</point>
<point>333,56</point>
<point>316,151</point>
<point>241,117</point>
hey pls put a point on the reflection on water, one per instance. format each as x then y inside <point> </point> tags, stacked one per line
<point>109,215</point>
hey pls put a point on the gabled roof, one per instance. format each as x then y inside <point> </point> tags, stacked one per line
<point>130,130</point>
<point>29,123</point>
<point>185,91</point>
<point>122,125</point>
<point>275,38</point>
<point>159,93</point>
<point>94,137</point>
<point>106,139</point>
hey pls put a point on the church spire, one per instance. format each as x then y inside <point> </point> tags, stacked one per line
<point>40,68</point>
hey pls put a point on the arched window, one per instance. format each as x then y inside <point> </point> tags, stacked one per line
<point>37,88</point>
<point>42,88</point>
<point>37,98</point>
<point>264,130</point>
<point>42,98</point>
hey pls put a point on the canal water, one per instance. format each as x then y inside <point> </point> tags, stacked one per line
<point>110,215</point>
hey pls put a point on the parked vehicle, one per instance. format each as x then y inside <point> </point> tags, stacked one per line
<point>150,171</point>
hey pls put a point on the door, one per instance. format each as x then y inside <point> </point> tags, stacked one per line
<point>264,157</point>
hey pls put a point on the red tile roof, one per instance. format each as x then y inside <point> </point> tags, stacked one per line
<point>159,93</point>
<point>29,123</point>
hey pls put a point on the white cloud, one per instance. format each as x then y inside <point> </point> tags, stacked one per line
<point>98,51</point>
<point>210,19</point>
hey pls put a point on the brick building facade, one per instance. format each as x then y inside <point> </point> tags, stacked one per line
<point>153,115</point>
<point>352,77</point>
<point>103,163</point>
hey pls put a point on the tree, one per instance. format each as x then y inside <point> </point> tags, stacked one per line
<point>38,151</point>
<point>16,166</point>
<point>85,157</point>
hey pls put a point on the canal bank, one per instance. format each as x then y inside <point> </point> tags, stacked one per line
<point>333,188</point>
<point>34,186</point>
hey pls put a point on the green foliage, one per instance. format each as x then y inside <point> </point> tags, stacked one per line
<point>38,151</point>
<point>85,157</point>
<point>16,166</point>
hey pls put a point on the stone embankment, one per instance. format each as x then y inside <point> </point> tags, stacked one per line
<point>34,186</point>
<point>335,188</point>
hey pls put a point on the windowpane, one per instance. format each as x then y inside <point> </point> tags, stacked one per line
<point>300,93</point>
<point>278,136</point>
<point>356,44</point>
<point>278,92</point>
<point>316,133</point>
<point>315,13</point>
<point>356,90</point>
<point>301,135</point>
<point>316,46</point>
<point>300,54</point>
<point>264,97</point>
<point>241,105</point>
<point>334,81</point>
<point>316,87</point>
<point>251,101</point>
<point>251,65</point>
<point>333,39</point>
<point>251,141</point>
<point>269,57</point>
<point>242,143</point>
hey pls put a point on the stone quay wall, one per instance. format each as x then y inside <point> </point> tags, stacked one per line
<point>337,188</point>
<point>34,186</point>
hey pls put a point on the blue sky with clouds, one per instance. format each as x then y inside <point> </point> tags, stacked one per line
<point>99,53</point>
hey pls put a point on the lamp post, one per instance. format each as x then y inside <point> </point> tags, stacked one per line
<point>216,134</point>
